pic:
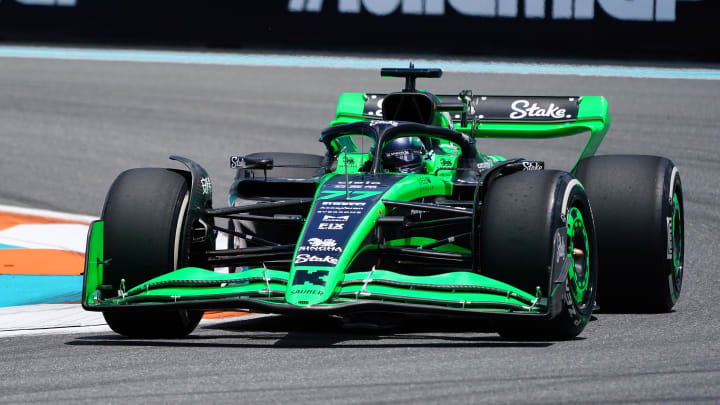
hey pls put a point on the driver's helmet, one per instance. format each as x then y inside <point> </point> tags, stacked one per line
<point>404,155</point>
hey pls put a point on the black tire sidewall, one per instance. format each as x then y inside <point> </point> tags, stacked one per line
<point>517,224</point>
<point>521,214</point>
<point>142,217</point>
<point>631,196</point>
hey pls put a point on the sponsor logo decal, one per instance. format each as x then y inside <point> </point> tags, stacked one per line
<point>532,166</point>
<point>669,228</point>
<point>321,245</point>
<point>237,162</point>
<point>363,185</point>
<point>405,155</point>
<point>307,258</point>
<point>378,122</point>
<point>332,218</point>
<point>306,292</point>
<point>206,185</point>
<point>344,204</point>
<point>560,248</point>
<point>523,109</point>
<point>340,208</point>
<point>331,226</point>
<point>317,242</point>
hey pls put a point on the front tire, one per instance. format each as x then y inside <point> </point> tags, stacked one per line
<point>143,213</point>
<point>520,218</point>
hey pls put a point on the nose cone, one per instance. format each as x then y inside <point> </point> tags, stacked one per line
<point>309,286</point>
<point>343,215</point>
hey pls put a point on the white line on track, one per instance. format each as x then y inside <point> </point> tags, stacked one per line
<point>69,237</point>
<point>354,62</point>
<point>47,213</point>
<point>65,319</point>
<point>49,319</point>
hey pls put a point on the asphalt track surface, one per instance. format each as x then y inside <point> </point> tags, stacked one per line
<point>67,128</point>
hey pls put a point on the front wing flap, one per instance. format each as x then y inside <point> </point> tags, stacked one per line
<point>263,290</point>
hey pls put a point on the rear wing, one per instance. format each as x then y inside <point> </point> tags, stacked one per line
<point>531,117</point>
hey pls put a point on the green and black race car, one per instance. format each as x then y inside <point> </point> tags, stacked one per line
<point>401,214</point>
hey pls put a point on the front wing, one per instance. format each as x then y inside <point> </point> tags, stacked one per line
<point>455,293</point>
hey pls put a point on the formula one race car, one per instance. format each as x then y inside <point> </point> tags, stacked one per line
<point>401,214</point>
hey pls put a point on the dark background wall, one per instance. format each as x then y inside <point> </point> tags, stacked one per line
<point>619,29</point>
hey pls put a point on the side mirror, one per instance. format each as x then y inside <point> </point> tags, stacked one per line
<point>244,162</point>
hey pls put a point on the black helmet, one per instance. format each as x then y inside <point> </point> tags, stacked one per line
<point>404,155</point>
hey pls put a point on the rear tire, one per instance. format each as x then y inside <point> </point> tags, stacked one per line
<point>519,219</point>
<point>143,213</point>
<point>638,206</point>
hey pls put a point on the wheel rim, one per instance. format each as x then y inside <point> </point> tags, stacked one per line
<point>579,256</point>
<point>677,248</point>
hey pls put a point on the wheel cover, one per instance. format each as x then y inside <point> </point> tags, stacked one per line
<point>579,274</point>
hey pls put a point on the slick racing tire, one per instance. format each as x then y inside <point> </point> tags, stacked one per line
<point>638,207</point>
<point>521,216</point>
<point>143,215</point>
